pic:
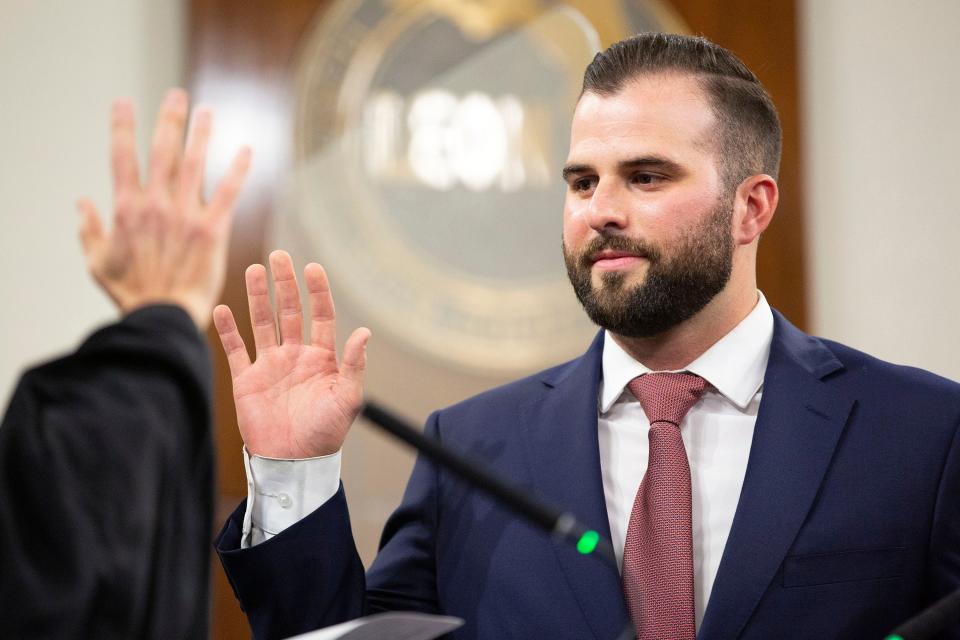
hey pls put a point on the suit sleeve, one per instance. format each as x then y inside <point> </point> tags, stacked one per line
<point>310,575</point>
<point>106,479</point>
<point>945,539</point>
<point>404,573</point>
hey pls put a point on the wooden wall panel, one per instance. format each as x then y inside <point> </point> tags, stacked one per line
<point>243,43</point>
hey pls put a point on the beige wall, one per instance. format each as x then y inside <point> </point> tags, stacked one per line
<point>61,64</point>
<point>882,138</point>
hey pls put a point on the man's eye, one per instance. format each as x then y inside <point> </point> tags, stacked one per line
<point>646,178</point>
<point>582,184</point>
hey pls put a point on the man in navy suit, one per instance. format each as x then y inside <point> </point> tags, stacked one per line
<point>823,495</point>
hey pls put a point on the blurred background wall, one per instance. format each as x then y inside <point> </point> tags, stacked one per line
<point>878,134</point>
<point>880,129</point>
<point>882,134</point>
<point>61,65</point>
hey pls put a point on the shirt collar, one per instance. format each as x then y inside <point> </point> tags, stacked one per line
<point>734,365</point>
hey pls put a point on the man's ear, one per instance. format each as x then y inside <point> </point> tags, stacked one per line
<point>753,207</point>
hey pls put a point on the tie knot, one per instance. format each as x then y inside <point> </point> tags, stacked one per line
<point>666,397</point>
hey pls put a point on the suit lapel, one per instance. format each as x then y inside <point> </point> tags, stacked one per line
<point>560,431</point>
<point>798,427</point>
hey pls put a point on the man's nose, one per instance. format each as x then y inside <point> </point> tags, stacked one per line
<point>607,209</point>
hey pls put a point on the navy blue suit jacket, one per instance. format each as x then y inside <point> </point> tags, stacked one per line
<point>847,524</point>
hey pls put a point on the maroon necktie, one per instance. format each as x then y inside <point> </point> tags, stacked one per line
<point>658,553</point>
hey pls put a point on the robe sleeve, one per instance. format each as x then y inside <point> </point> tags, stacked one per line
<point>106,487</point>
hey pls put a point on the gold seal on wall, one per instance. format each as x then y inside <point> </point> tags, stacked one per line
<point>429,138</point>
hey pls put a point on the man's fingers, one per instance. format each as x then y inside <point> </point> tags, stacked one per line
<point>287,294</point>
<point>225,195</point>
<point>123,149</point>
<point>195,158</point>
<point>323,322</point>
<point>261,312</point>
<point>355,358</point>
<point>167,140</point>
<point>91,229</point>
<point>232,341</point>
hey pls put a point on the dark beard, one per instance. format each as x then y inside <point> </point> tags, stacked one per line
<point>676,286</point>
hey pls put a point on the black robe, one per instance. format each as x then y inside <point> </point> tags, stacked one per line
<point>106,487</point>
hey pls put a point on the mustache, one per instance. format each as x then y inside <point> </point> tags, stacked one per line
<point>636,246</point>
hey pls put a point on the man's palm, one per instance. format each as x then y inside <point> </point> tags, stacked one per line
<point>293,401</point>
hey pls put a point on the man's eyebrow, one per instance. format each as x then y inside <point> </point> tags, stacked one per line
<point>575,169</point>
<point>642,162</point>
<point>652,162</point>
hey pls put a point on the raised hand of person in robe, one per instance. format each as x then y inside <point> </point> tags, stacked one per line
<point>294,400</point>
<point>106,455</point>
<point>166,244</point>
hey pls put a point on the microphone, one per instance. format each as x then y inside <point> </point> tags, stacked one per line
<point>562,525</point>
<point>931,621</point>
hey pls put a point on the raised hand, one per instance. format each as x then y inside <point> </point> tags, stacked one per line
<point>293,401</point>
<point>166,244</point>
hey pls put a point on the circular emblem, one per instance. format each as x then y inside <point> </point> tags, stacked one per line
<point>429,139</point>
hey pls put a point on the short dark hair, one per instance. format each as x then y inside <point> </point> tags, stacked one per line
<point>749,135</point>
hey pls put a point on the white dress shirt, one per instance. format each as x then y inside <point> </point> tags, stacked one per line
<point>716,432</point>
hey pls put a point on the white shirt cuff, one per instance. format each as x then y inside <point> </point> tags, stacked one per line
<point>283,492</point>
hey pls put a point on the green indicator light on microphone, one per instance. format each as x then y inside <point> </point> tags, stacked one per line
<point>588,542</point>
<point>894,637</point>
